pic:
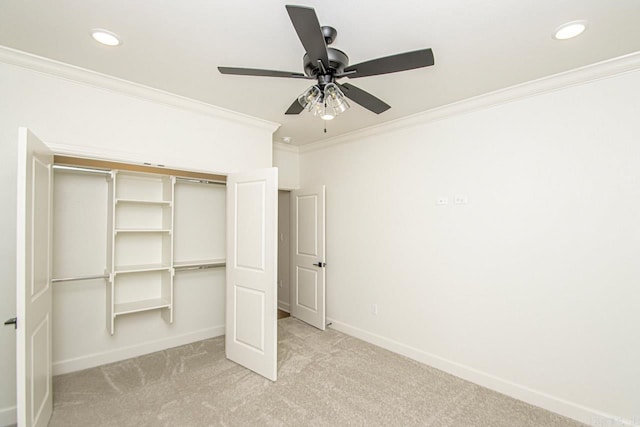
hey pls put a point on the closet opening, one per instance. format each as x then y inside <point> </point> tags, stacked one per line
<point>144,258</point>
<point>138,256</point>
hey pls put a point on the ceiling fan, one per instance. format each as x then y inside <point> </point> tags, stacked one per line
<point>326,64</point>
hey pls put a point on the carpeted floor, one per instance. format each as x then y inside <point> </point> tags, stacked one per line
<point>324,379</point>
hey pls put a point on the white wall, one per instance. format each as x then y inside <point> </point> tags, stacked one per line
<point>82,118</point>
<point>532,287</point>
<point>285,158</point>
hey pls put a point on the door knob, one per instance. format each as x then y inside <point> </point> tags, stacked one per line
<point>320,264</point>
<point>13,321</point>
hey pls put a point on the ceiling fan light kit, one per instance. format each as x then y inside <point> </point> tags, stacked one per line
<point>327,103</point>
<point>326,65</point>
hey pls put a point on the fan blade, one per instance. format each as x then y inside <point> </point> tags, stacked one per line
<point>295,108</point>
<point>305,21</point>
<point>263,73</point>
<point>391,64</point>
<point>364,98</point>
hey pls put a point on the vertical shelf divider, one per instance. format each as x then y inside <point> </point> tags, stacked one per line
<point>111,235</point>
<point>167,288</point>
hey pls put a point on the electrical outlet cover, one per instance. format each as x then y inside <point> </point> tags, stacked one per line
<point>461,199</point>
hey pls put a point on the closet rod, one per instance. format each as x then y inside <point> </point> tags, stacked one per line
<point>200,267</point>
<point>82,169</point>
<point>73,279</point>
<point>201,181</point>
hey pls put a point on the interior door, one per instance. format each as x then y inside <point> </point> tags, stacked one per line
<point>252,260</point>
<point>33,274</point>
<point>307,300</point>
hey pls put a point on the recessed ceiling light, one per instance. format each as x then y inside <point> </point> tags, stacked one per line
<point>570,30</point>
<point>105,37</point>
<point>286,139</point>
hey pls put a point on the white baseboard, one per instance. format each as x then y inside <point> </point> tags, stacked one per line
<point>115,355</point>
<point>284,306</point>
<point>551,403</point>
<point>8,416</point>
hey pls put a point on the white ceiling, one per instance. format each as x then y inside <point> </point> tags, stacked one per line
<point>479,47</point>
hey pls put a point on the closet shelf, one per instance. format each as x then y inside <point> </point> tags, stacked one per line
<point>142,230</point>
<point>144,202</point>
<point>122,269</point>
<point>142,305</point>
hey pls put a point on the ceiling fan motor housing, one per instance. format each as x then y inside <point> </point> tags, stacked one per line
<point>338,60</point>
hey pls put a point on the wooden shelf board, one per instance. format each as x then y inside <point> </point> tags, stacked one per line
<point>138,306</point>
<point>144,202</point>
<point>142,230</point>
<point>103,164</point>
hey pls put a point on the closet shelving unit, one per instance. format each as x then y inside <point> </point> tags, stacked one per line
<point>140,263</point>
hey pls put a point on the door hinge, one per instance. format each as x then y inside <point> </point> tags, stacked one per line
<point>320,264</point>
<point>13,321</point>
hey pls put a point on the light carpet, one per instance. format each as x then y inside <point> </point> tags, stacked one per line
<point>324,379</point>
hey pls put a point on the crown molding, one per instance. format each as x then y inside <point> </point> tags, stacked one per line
<point>281,146</point>
<point>103,81</point>
<point>575,77</point>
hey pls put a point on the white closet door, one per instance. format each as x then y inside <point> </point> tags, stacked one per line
<point>252,246</point>
<point>307,300</point>
<point>33,253</point>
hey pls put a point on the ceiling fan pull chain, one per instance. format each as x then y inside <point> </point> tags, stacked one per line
<point>325,126</point>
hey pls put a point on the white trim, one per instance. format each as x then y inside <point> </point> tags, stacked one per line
<point>104,81</point>
<point>281,146</point>
<point>99,153</point>
<point>8,416</point>
<point>578,76</point>
<point>551,403</point>
<point>284,306</point>
<point>115,355</point>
